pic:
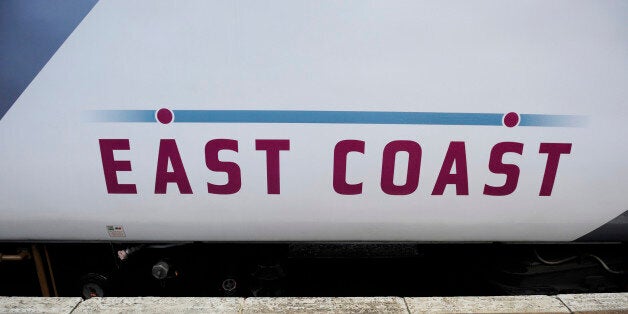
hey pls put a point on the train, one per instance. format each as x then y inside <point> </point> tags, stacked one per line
<point>147,122</point>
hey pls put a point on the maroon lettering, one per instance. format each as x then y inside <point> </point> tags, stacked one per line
<point>456,153</point>
<point>553,151</point>
<point>234,179</point>
<point>111,166</point>
<point>388,167</point>
<point>272,148</point>
<point>168,151</point>
<point>342,149</point>
<point>495,165</point>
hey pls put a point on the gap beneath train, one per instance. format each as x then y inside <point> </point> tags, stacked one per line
<point>313,269</point>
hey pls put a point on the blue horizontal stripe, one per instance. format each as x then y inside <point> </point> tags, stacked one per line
<point>552,120</point>
<point>121,116</point>
<point>337,117</point>
<point>342,117</point>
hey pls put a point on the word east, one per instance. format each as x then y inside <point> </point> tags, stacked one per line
<point>452,172</point>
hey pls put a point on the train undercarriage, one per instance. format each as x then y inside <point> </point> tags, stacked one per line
<point>310,269</point>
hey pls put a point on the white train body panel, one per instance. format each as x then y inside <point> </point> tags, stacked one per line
<point>451,67</point>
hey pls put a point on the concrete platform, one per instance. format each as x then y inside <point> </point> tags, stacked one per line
<point>325,305</point>
<point>160,305</point>
<point>38,305</point>
<point>596,302</point>
<point>564,303</point>
<point>498,304</point>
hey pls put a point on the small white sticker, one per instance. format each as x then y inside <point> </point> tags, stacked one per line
<point>116,232</point>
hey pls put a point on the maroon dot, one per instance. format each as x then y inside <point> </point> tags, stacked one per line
<point>165,116</point>
<point>511,119</point>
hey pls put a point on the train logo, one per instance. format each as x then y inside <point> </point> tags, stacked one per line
<point>453,170</point>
